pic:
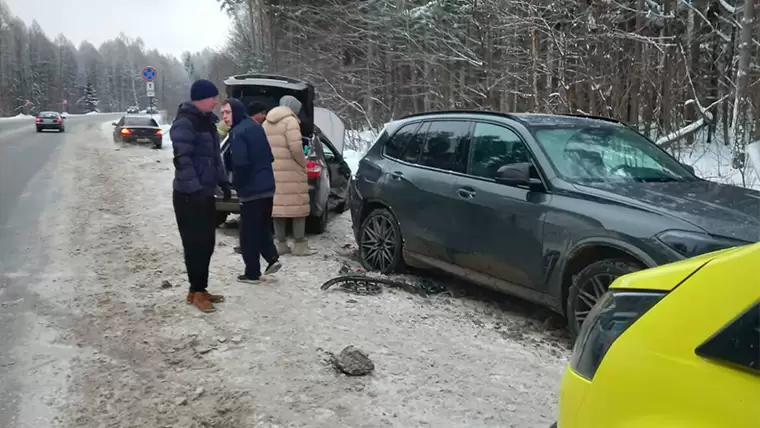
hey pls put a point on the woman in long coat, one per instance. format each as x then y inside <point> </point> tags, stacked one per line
<point>291,197</point>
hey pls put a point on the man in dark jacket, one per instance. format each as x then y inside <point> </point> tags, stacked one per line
<point>198,171</point>
<point>253,179</point>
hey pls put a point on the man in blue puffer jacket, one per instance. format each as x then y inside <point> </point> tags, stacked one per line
<point>198,172</point>
<point>253,179</point>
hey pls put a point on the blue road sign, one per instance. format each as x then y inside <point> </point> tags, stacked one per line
<point>149,74</point>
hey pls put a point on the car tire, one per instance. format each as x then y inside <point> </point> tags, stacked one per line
<point>61,130</point>
<point>39,129</point>
<point>158,146</point>
<point>381,217</point>
<point>318,225</point>
<point>220,217</point>
<point>583,290</point>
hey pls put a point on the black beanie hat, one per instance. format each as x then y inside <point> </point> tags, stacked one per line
<point>203,89</point>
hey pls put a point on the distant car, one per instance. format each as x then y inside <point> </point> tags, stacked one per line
<point>550,208</point>
<point>50,120</point>
<point>134,128</point>
<point>151,110</point>
<point>328,173</point>
<point>673,346</point>
<point>133,110</point>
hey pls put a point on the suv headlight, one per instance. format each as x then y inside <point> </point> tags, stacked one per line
<point>607,320</point>
<point>690,244</point>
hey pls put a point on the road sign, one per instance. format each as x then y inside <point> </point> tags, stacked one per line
<point>149,74</point>
<point>150,86</point>
<point>151,93</point>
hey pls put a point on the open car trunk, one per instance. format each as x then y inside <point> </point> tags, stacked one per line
<point>268,89</point>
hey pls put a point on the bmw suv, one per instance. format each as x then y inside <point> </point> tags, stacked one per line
<point>549,208</point>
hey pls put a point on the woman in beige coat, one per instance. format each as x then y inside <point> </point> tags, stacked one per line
<point>291,197</point>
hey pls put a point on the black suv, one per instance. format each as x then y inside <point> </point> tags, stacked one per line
<point>323,132</point>
<point>551,208</point>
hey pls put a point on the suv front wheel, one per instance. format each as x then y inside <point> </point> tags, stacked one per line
<point>590,284</point>
<point>380,242</point>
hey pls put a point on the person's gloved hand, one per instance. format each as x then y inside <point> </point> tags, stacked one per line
<point>226,191</point>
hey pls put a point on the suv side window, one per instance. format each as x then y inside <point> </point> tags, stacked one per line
<point>414,144</point>
<point>494,146</point>
<point>738,343</point>
<point>395,146</point>
<point>446,145</point>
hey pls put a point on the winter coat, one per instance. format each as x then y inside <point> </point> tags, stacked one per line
<point>198,163</point>
<point>291,199</point>
<point>250,155</point>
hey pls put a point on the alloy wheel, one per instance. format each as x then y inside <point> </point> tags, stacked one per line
<point>378,243</point>
<point>589,293</point>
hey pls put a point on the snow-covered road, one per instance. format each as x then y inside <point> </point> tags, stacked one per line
<point>147,359</point>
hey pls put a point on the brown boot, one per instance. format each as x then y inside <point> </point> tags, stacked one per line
<point>214,298</point>
<point>202,302</point>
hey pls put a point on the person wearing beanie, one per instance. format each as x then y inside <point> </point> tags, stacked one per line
<point>291,197</point>
<point>198,171</point>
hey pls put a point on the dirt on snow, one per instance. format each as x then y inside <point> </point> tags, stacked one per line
<point>144,358</point>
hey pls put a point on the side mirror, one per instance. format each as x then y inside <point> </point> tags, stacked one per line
<point>689,168</point>
<point>516,174</point>
<point>114,124</point>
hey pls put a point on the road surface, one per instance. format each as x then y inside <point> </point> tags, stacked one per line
<point>27,190</point>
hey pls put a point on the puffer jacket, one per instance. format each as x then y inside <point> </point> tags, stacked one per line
<point>291,198</point>
<point>198,163</point>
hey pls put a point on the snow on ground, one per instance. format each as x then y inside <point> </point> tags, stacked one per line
<point>259,361</point>
<point>19,116</point>
<point>714,162</point>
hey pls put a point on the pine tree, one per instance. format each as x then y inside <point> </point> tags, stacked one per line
<point>90,98</point>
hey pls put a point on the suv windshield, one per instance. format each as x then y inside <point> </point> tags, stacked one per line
<point>607,154</point>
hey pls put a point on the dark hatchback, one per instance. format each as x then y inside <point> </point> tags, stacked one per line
<point>135,128</point>
<point>323,133</point>
<point>549,208</point>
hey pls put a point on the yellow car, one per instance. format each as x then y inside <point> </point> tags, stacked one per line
<point>677,346</point>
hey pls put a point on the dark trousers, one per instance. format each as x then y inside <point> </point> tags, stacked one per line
<point>256,235</point>
<point>195,220</point>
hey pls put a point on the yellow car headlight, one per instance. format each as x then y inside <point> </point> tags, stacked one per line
<point>613,314</point>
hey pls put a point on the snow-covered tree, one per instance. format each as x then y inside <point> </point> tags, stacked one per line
<point>90,99</point>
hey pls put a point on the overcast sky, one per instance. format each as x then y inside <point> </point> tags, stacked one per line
<point>171,26</point>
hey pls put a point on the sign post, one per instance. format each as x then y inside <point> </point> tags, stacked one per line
<point>149,76</point>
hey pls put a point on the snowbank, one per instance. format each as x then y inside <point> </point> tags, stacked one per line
<point>17,117</point>
<point>714,162</point>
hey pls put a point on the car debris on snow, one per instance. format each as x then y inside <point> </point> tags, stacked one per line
<point>353,361</point>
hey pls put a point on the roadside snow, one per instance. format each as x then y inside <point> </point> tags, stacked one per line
<point>19,116</point>
<point>259,361</point>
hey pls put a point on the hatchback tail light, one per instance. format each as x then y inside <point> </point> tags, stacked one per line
<point>313,169</point>
<point>125,131</point>
<point>38,119</point>
<point>58,120</point>
<point>615,312</point>
<point>160,133</point>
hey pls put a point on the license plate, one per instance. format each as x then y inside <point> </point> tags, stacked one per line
<point>143,140</point>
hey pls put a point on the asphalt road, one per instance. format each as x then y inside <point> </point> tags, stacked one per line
<point>27,189</point>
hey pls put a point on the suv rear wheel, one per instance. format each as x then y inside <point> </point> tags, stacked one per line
<point>220,217</point>
<point>590,284</point>
<point>380,242</point>
<point>318,225</point>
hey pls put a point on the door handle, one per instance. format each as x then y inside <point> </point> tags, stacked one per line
<point>397,175</point>
<point>466,193</point>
